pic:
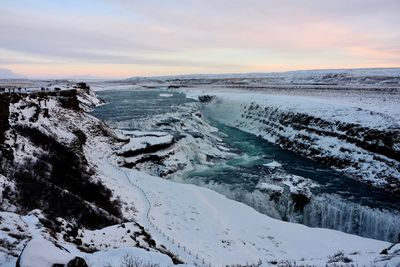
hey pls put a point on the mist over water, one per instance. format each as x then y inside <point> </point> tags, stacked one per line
<point>338,202</point>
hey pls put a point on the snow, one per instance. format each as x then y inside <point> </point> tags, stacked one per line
<point>40,252</point>
<point>13,236</point>
<point>115,256</point>
<point>273,164</point>
<point>220,230</point>
<point>24,110</point>
<point>259,113</point>
<point>372,111</point>
<point>43,253</point>
<point>298,184</point>
<point>216,228</point>
<point>193,222</point>
<point>145,140</point>
<point>288,77</point>
<point>202,219</point>
<point>115,236</point>
<point>196,143</point>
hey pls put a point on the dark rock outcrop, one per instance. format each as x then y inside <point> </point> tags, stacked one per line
<point>205,98</point>
<point>4,114</point>
<point>59,182</point>
<point>146,150</point>
<point>69,99</point>
<point>77,262</point>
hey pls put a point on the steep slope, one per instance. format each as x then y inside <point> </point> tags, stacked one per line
<point>44,168</point>
<point>44,160</point>
<point>361,143</point>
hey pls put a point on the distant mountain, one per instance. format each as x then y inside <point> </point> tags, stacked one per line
<point>9,74</point>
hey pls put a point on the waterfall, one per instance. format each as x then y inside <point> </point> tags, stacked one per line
<point>323,211</point>
<point>332,212</point>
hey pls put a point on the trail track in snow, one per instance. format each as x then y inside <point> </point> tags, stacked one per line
<point>181,251</point>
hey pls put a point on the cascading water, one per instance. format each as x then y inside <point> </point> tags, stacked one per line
<point>323,211</point>
<point>337,203</point>
<point>329,211</point>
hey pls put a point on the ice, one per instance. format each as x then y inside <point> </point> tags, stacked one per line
<point>273,164</point>
<point>166,95</point>
<point>271,187</point>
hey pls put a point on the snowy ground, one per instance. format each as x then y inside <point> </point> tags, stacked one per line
<point>374,109</point>
<point>198,225</point>
<point>226,232</point>
<point>43,250</point>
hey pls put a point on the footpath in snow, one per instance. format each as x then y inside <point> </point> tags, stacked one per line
<point>205,228</point>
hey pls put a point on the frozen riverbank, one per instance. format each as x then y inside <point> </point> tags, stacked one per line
<point>236,164</point>
<point>356,140</point>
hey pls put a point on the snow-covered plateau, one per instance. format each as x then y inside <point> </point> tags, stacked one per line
<point>70,197</point>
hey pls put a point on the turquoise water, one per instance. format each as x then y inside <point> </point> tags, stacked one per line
<point>130,104</point>
<point>255,151</point>
<point>243,173</point>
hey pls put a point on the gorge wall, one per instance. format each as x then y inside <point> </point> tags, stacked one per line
<point>364,150</point>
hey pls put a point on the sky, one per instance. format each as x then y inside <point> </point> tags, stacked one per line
<point>124,38</point>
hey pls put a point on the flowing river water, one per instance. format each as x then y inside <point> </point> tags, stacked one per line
<point>338,202</point>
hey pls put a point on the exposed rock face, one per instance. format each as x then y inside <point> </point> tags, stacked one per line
<point>368,154</point>
<point>59,182</point>
<point>5,149</point>
<point>43,156</point>
<point>148,149</point>
<point>205,98</point>
<point>4,114</point>
<point>52,191</point>
<point>77,262</point>
<point>69,99</point>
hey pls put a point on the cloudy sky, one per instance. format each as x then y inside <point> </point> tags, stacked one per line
<point>122,38</point>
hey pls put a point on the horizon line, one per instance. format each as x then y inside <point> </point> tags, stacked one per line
<point>71,77</point>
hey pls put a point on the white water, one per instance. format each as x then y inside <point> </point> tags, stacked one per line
<point>332,212</point>
<point>327,211</point>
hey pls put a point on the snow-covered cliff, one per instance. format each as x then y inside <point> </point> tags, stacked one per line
<point>66,199</point>
<point>363,143</point>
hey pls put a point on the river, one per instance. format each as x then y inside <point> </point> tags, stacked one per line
<point>337,202</point>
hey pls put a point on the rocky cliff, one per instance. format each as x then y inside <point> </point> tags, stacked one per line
<point>49,189</point>
<point>351,140</point>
